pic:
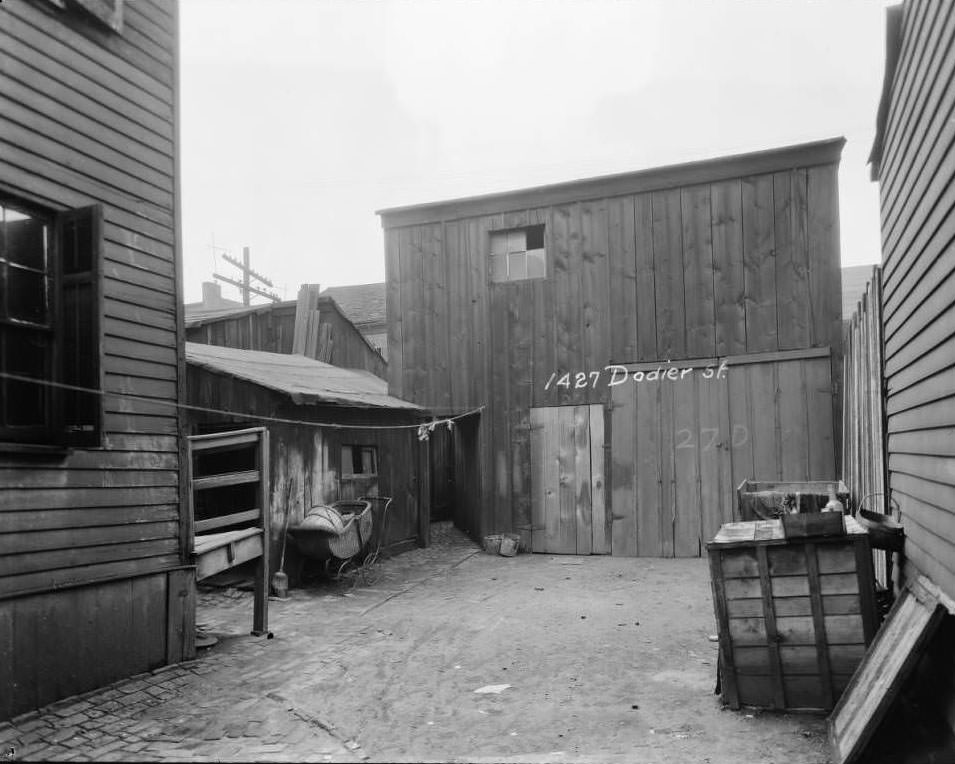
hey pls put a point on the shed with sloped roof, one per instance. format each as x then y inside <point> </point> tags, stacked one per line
<point>335,434</point>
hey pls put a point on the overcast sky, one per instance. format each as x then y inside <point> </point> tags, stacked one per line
<point>300,118</point>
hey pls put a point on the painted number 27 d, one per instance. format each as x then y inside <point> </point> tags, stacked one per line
<point>709,437</point>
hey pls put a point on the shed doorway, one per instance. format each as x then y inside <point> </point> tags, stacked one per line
<point>568,506</point>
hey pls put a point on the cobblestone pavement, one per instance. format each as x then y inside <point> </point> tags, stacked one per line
<point>228,704</point>
<point>440,654</point>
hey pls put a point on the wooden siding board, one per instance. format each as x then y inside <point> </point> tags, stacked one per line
<point>66,519</point>
<point>595,286</point>
<point>602,521</point>
<point>623,476</point>
<point>932,323</point>
<point>646,315</point>
<point>583,505</point>
<point>623,279</point>
<point>759,263</point>
<point>919,121</point>
<point>566,307</point>
<point>35,49</point>
<point>792,259</point>
<point>669,274</point>
<point>688,501</point>
<point>698,262</point>
<point>652,482</point>
<point>728,275</point>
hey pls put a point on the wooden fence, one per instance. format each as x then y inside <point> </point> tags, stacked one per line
<point>863,423</point>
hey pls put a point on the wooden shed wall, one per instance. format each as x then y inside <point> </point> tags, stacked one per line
<point>305,460</point>
<point>917,186</point>
<point>272,329</point>
<point>88,116</point>
<point>745,262</point>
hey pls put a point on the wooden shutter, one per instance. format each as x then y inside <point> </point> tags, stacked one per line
<point>108,12</point>
<point>78,330</point>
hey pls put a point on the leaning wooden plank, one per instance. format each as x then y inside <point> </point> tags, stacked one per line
<point>538,477</point>
<point>914,619</point>
<point>550,478</point>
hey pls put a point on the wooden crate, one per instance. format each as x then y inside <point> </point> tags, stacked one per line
<point>795,616</point>
<point>762,500</point>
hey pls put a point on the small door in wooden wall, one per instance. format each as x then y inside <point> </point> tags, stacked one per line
<point>568,507</point>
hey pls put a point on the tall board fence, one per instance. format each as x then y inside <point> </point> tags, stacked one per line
<point>863,441</point>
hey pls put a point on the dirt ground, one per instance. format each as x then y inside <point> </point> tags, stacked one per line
<point>602,659</point>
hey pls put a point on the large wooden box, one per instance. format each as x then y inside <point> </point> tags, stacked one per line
<point>795,616</point>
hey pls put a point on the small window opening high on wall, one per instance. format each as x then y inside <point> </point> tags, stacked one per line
<point>518,254</point>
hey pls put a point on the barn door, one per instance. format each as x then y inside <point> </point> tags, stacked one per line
<point>568,507</point>
<point>679,447</point>
<point>672,478</point>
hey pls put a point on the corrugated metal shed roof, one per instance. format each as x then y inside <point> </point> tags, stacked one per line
<point>304,380</point>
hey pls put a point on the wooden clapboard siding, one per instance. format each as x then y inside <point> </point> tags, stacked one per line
<point>916,169</point>
<point>89,117</point>
<point>714,259</point>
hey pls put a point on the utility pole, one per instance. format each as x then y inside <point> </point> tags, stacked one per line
<point>245,286</point>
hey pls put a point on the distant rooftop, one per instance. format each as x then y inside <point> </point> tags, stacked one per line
<point>361,303</point>
<point>304,380</point>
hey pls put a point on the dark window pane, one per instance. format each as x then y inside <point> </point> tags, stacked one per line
<point>26,295</point>
<point>24,239</point>
<point>535,237</point>
<point>25,354</point>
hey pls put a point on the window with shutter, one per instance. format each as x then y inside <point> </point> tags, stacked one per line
<point>49,326</point>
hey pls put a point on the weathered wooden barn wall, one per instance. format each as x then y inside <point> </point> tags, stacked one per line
<point>272,328</point>
<point>90,538</point>
<point>915,166</point>
<point>305,460</point>
<point>726,257</point>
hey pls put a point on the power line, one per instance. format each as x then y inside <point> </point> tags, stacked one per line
<point>421,428</point>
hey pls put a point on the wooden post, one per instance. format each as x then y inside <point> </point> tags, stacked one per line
<point>260,608</point>
<point>306,333</point>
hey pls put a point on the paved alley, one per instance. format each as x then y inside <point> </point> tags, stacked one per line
<point>576,659</point>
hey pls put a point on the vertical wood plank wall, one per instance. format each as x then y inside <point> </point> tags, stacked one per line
<point>271,328</point>
<point>863,442</point>
<point>740,263</point>
<point>916,174</point>
<point>305,462</point>
<point>88,116</point>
